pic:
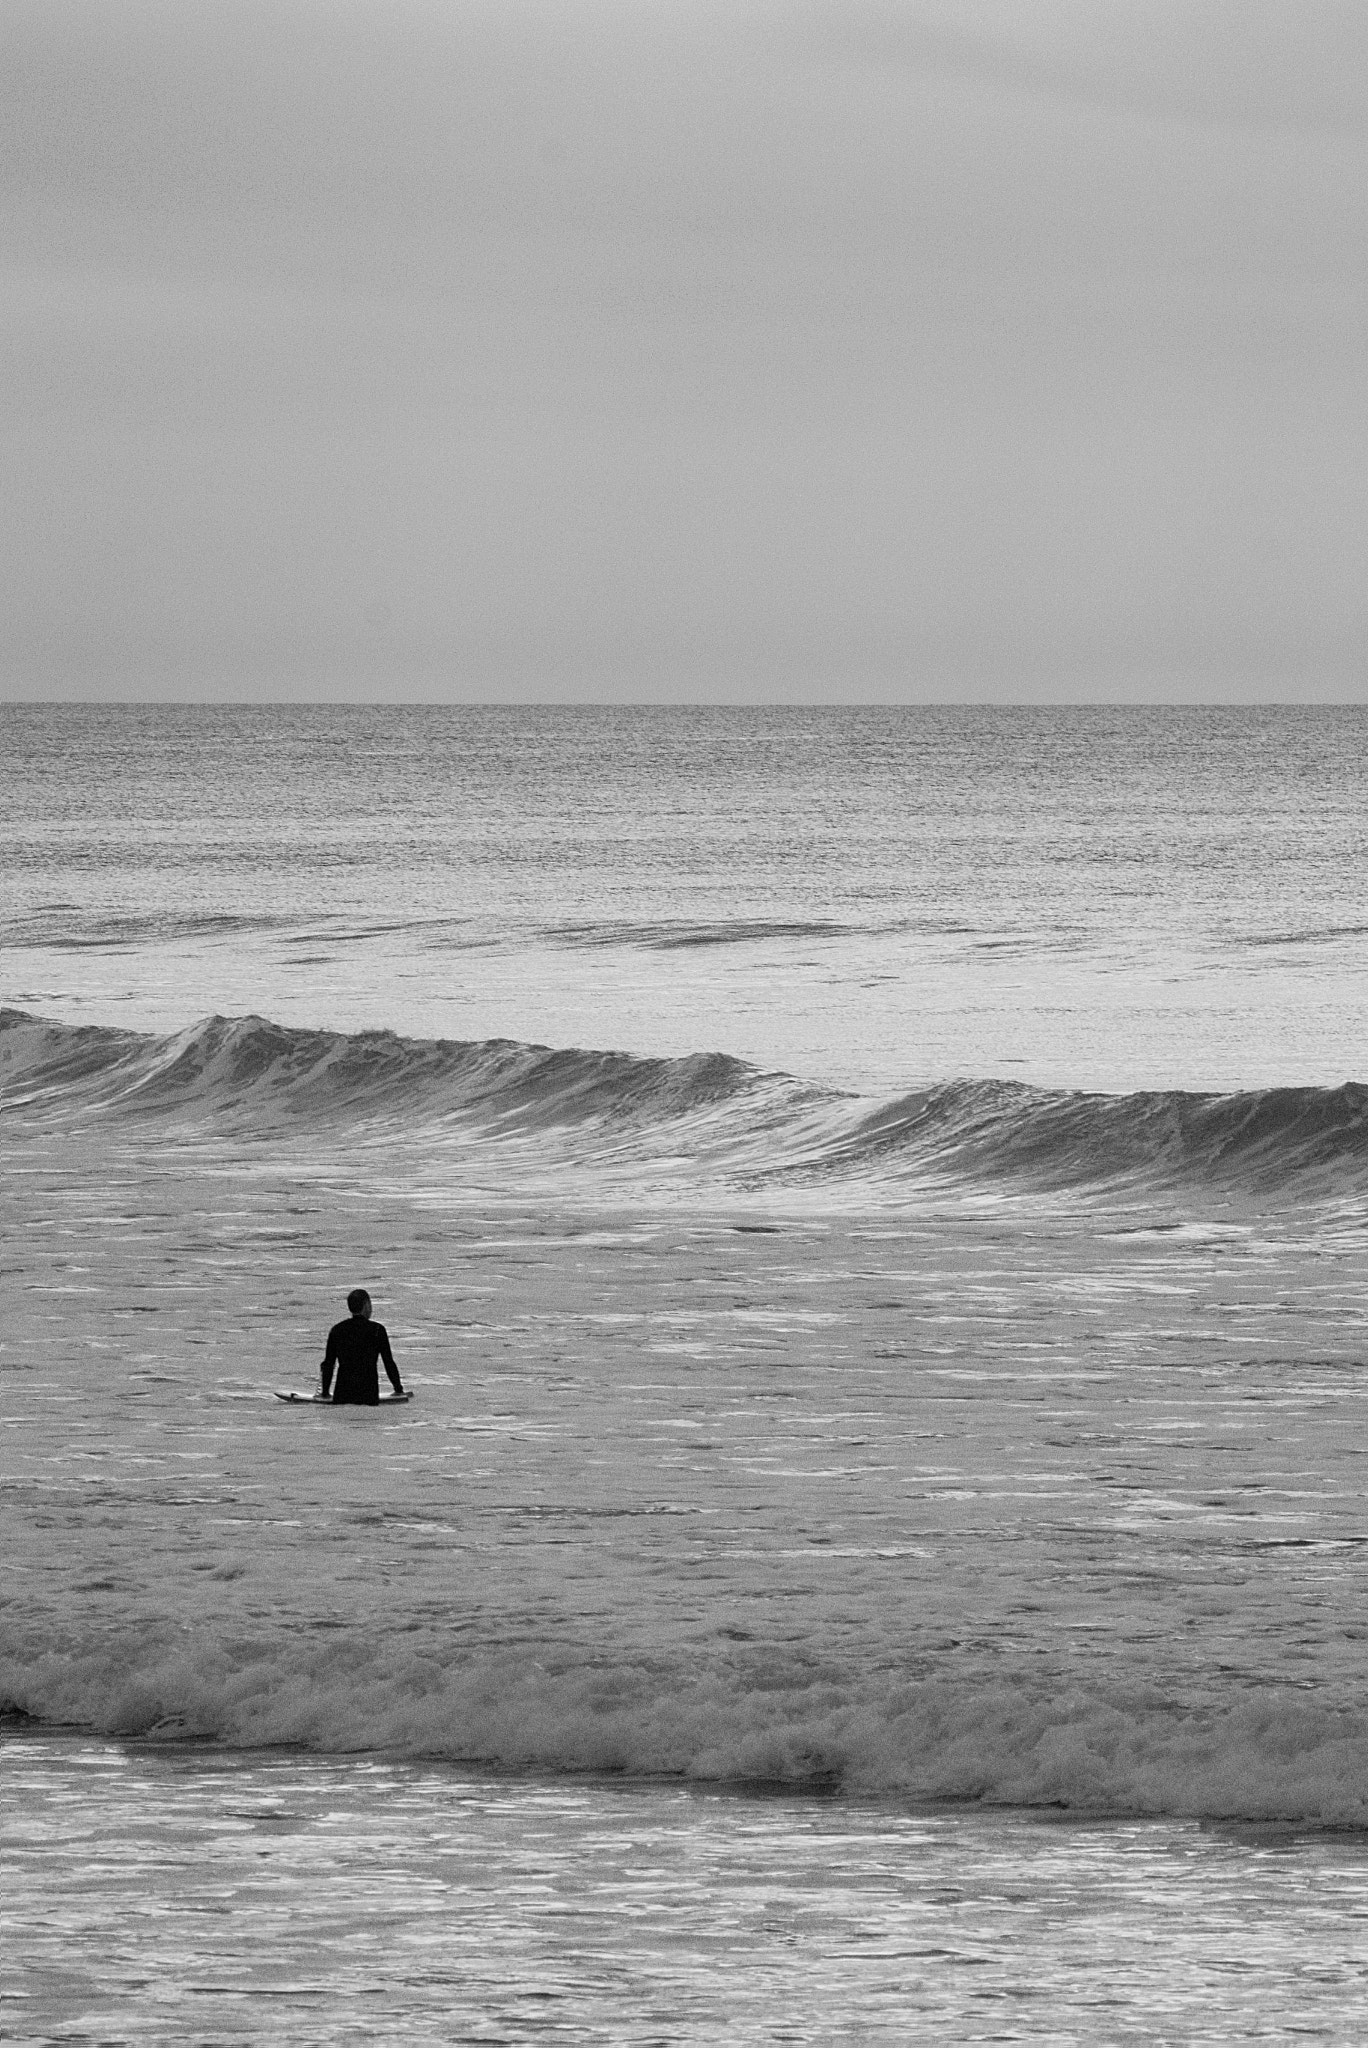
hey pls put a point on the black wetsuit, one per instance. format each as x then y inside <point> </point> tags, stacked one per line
<point>354,1347</point>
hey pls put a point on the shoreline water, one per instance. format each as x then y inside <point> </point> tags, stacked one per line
<point>156,1893</point>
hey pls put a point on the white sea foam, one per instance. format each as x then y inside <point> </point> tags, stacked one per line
<point>747,1720</point>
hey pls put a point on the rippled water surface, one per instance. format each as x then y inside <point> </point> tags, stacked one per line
<point>818,1384</point>
<point>869,898</point>
<point>173,1896</point>
<point>987,1501</point>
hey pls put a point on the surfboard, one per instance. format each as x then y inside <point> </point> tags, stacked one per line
<point>326,1401</point>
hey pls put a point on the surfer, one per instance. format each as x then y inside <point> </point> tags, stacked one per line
<point>354,1347</point>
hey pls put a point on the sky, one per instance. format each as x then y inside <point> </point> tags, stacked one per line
<point>662,350</point>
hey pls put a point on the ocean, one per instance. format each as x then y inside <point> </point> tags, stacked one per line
<point>869,1204</point>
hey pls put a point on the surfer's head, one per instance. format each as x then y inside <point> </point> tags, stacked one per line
<point>359,1302</point>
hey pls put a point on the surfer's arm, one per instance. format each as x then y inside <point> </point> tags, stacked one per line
<point>387,1356</point>
<point>326,1369</point>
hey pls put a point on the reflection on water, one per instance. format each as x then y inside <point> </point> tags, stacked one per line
<point>202,1895</point>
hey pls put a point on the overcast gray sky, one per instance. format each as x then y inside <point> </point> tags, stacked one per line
<point>667,350</point>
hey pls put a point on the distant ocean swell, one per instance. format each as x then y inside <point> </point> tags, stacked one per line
<point>249,1077</point>
<point>1272,1755</point>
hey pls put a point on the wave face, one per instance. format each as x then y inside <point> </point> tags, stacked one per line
<point>1260,1139</point>
<point>249,1072</point>
<point>709,1112</point>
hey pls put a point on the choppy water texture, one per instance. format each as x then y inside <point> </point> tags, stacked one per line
<point>871,1210</point>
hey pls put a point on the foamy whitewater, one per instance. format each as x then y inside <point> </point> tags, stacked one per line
<point>869,1205</point>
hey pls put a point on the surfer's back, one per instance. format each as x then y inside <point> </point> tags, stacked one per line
<point>356,1346</point>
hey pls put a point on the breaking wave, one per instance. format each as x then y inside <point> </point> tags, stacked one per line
<point>708,1112</point>
<point>768,1717</point>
